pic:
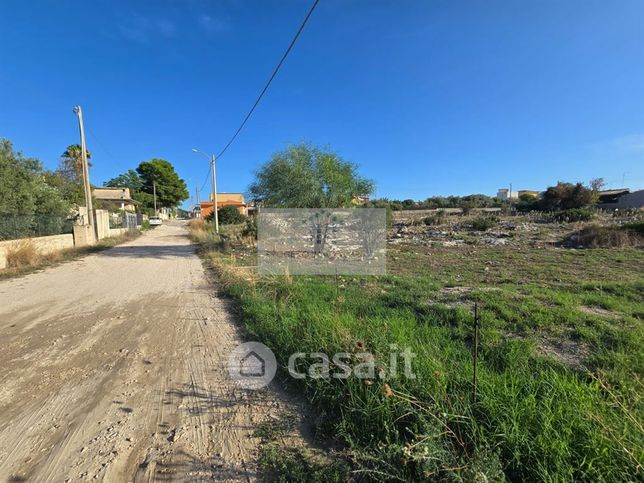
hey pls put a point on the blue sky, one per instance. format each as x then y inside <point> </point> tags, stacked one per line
<point>428,97</point>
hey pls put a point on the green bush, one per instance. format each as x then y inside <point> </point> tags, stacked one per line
<point>574,214</point>
<point>565,196</point>
<point>636,226</point>
<point>250,229</point>
<point>526,203</point>
<point>483,223</point>
<point>437,218</point>
<point>228,215</point>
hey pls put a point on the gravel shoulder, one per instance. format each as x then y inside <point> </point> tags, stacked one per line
<point>113,367</point>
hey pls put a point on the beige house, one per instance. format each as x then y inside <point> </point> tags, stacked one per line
<point>114,198</point>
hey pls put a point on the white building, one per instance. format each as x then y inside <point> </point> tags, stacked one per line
<point>505,194</point>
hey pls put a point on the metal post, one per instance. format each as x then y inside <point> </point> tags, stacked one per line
<point>476,349</point>
<point>154,191</point>
<point>214,193</point>
<point>88,190</point>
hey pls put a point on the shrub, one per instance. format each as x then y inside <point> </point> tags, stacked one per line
<point>196,224</point>
<point>606,237</point>
<point>483,223</point>
<point>574,214</point>
<point>527,202</point>
<point>387,206</point>
<point>437,218</point>
<point>22,254</point>
<point>636,226</point>
<point>228,215</point>
<point>565,196</point>
<point>250,230</point>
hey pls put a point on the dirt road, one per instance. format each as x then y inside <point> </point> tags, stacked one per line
<point>113,367</point>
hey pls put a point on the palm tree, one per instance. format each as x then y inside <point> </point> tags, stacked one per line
<point>72,161</point>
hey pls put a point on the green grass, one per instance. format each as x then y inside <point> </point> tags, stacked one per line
<point>559,385</point>
<point>278,464</point>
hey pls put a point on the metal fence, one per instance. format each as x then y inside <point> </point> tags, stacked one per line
<point>124,220</point>
<point>130,221</point>
<point>116,220</point>
<point>14,226</point>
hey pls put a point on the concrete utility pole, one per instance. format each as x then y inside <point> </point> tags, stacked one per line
<point>154,190</point>
<point>198,204</point>
<point>214,185</point>
<point>88,190</point>
<point>214,193</point>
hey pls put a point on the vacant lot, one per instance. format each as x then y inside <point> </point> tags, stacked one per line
<point>561,358</point>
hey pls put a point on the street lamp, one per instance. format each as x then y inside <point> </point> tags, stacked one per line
<point>214,185</point>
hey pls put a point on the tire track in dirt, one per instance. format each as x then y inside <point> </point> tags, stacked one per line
<point>115,370</point>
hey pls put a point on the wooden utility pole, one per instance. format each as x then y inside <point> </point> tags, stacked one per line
<point>88,190</point>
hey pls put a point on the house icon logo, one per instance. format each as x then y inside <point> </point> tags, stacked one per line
<point>252,365</point>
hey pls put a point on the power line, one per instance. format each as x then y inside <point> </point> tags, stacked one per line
<point>99,143</point>
<point>207,177</point>
<point>259,98</point>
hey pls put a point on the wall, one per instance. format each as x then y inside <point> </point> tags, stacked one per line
<point>103,230</point>
<point>631,200</point>
<point>44,245</point>
<point>82,236</point>
<point>102,220</point>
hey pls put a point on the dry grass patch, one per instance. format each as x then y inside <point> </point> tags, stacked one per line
<point>23,253</point>
<point>592,310</point>
<point>23,257</point>
<point>596,236</point>
<point>196,224</point>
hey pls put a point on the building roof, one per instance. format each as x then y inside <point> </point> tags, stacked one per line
<point>228,196</point>
<point>112,194</point>
<point>223,202</point>
<point>613,192</point>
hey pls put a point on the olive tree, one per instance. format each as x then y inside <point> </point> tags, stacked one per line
<point>304,176</point>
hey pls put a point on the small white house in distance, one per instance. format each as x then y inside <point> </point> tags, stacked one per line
<point>165,213</point>
<point>504,194</point>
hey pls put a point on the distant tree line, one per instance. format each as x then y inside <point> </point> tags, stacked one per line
<point>563,196</point>
<point>464,202</point>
